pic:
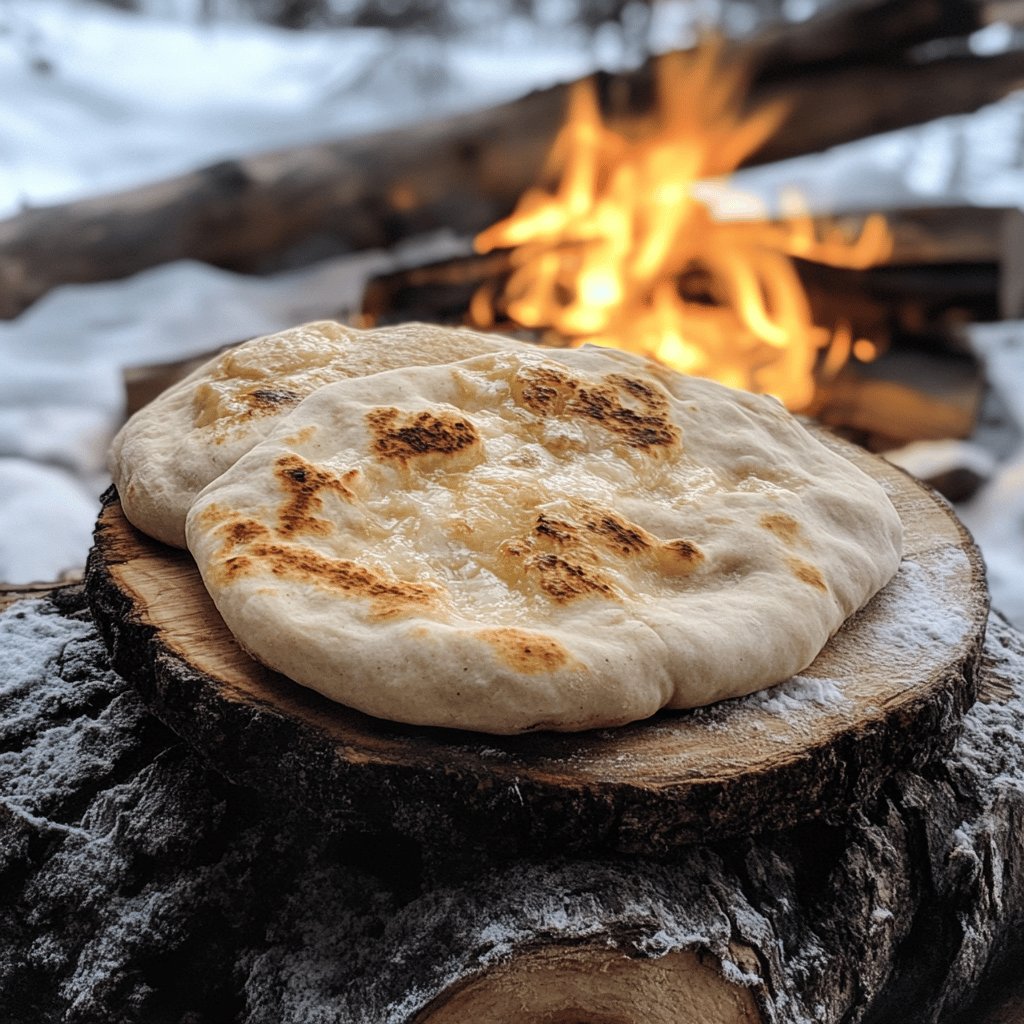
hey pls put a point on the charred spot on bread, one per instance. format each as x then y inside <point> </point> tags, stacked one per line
<point>544,389</point>
<point>593,525</point>
<point>303,483</point>
<point>553,529</point>
<point>389,596</point>
<point>269,399</point>
<point>616,533</point>
<point>784,526</point>
<point>233,529</point>
<point>243,531</point>
<point>564,580</point>
<point>680,557</point>
<point>638,411</point>
<point>237,565</point>
<point>650,426</point>
<point>401,437</point>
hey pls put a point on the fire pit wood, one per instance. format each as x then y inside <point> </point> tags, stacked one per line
<point>904,397</point>
<point>770,761</point>
<point>928,302</point>
<point>941,234</point>
<point>862,31</point>
<point>137,885</point>
<point>462,173</point>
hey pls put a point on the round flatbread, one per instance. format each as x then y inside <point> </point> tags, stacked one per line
<point>171,449</point>
<point>513,543</point>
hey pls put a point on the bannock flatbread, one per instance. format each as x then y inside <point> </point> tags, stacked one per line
<point>513,543</point>
<point>171,449</point>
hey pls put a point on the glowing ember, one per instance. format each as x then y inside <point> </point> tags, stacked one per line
<point>623,251</point>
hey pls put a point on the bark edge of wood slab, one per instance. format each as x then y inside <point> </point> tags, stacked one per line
<point>597,984</point>
<point>904,667</point>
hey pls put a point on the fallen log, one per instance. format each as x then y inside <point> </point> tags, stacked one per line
<point>462,173</point>
<point>936,234</point>
<point>129,866</point>
<point>851,33</point>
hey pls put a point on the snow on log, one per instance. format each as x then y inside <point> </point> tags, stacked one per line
<point>136,885</point>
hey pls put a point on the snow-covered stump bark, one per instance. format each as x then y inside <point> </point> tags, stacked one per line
<point>137,885</point>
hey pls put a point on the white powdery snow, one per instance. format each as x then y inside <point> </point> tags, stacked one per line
<point>46,520</point>
<point>995,516</point>
<point>923,613</point>
<point>796,694</point>
<point>122,99</point>
<point>31,640</point>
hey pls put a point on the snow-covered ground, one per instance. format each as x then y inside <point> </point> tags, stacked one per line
<point>96,100</point>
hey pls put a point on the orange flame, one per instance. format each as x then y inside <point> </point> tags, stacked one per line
<point>622,252</point>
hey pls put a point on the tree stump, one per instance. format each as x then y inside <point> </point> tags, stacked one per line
<point>887,693</point>
<point>137,885</point>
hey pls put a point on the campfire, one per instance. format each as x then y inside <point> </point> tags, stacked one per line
<point>642,244</point>
<point>635,235</point>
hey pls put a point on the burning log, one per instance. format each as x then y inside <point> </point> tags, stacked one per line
<point>940,234</point>
<point>926,304</point>
<point>461,173</point>
<point>879,303</point>
<point>903,397</point>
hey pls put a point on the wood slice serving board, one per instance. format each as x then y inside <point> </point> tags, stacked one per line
<point>886,694</point>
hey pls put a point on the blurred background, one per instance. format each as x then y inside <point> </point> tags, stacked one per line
<point>114,108</point>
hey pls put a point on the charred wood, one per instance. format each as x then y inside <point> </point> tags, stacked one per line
<point>926,304</point>
<point>261,212</point>
<point>902,397</point>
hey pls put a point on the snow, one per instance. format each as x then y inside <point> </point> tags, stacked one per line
<point>97,99</point>
<point>128,100</point>
<point>995,516</point>
<point>929,459</point>
<point>794,696</point>
<point>52,515</point>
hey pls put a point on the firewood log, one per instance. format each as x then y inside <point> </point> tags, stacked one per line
<point>463,172</point>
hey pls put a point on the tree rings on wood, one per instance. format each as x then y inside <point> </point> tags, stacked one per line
<point>886,694</point>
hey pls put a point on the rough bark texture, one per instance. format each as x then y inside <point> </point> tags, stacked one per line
<point>464,172</point>
<point>137,885</point>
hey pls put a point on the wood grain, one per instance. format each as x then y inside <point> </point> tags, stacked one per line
<point>567,984</point>
<point>905,666</point>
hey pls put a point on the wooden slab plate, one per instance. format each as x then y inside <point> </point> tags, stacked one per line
<point>886,694</point>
